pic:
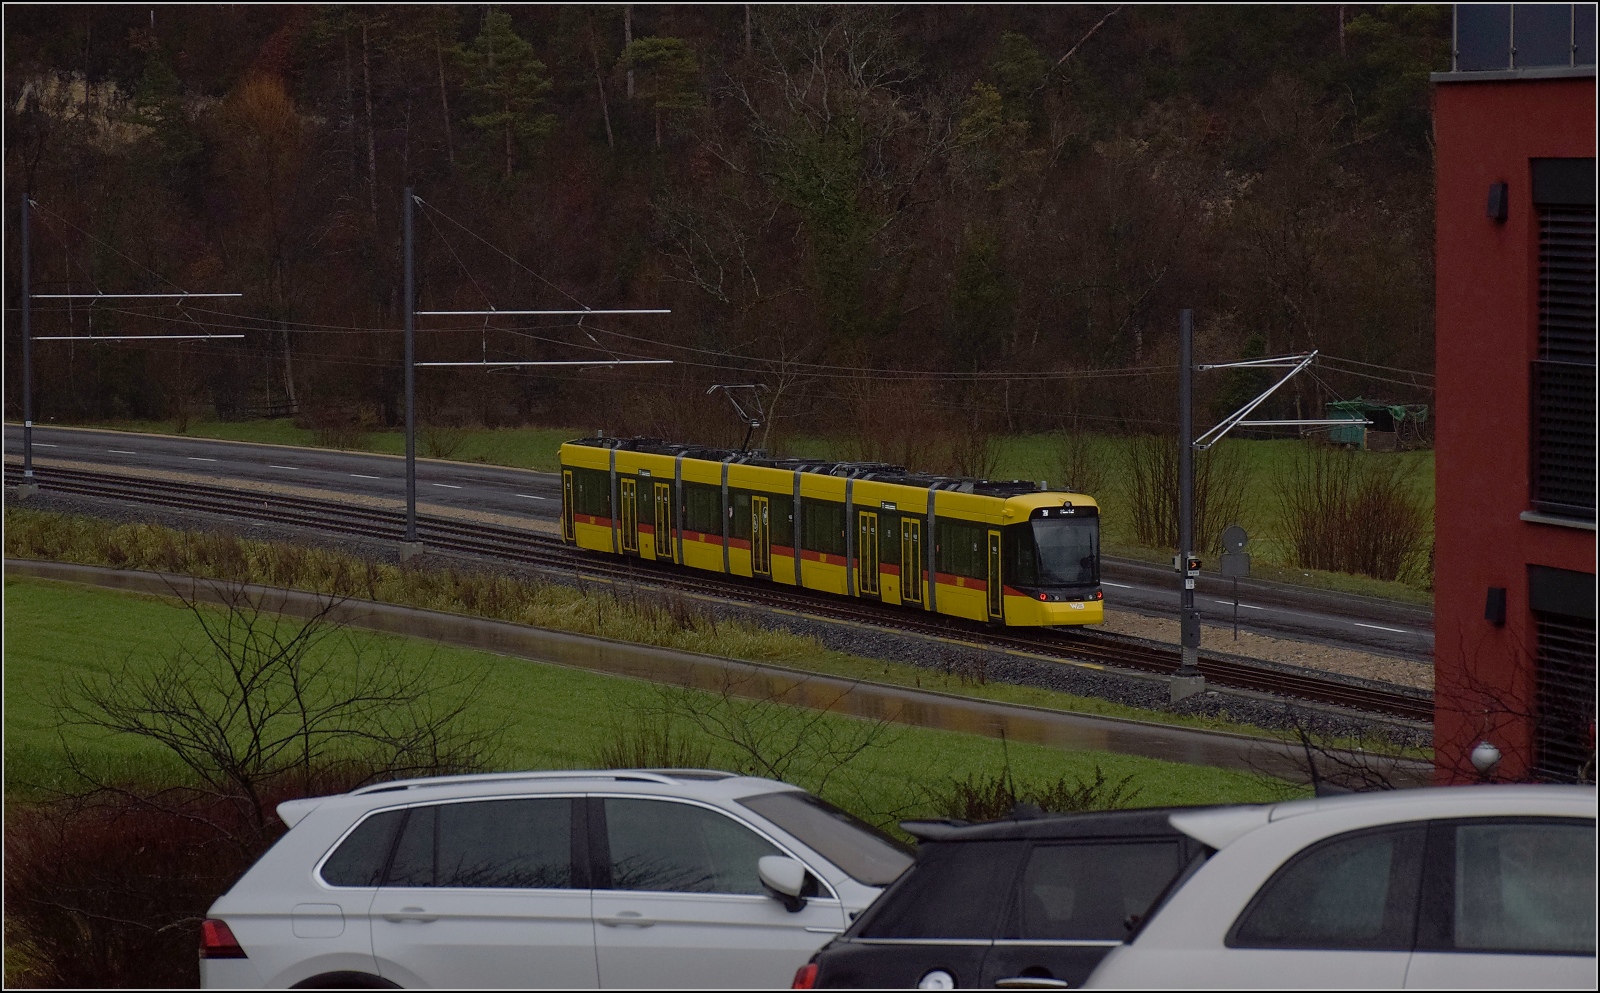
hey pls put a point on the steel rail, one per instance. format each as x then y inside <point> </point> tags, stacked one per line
<point>548,554</point>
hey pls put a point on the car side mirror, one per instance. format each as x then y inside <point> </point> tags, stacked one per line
<point>784,880</point>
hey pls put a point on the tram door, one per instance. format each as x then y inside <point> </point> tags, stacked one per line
<point>630,516</point>
<point>569,531</point>
<point>760,536</point>
<point>910,560</point>
<point>666,548</point>
<point>867,552</point>
<point>996,590</point>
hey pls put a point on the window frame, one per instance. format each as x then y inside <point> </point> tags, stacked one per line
<point>1014,914</point>
<point>1435,932</point>
<point>1233,941</point>
<point>578,849</point>
<point>599,849</point>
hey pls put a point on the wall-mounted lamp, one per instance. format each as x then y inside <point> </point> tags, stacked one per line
<point>1494,606</point>
<point>1499,195</point>
<point>1484,758</point>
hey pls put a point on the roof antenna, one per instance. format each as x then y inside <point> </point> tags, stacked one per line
<point>752,398</point>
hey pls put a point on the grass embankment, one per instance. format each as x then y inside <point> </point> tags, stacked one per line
<point>654,618</point>
<point>554,717</point>
<point>1020,457</point>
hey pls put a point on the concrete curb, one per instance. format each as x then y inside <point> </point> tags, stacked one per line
<point>859,698</point>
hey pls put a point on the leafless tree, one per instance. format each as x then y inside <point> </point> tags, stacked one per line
<point>264,698</point>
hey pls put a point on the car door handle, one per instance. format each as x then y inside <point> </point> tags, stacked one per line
<point>627,918</point>
<point>1032,983</point>
<point>411,914</point>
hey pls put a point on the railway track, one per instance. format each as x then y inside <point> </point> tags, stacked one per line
<point>547,554</point>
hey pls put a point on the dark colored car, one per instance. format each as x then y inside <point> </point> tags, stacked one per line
<point>1031,902</point>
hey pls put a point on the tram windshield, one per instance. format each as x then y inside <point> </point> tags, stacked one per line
<point>1069,551</point>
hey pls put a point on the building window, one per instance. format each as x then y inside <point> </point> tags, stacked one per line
<point>1563,463</point>
<point>1563,605</point>
<point>1564,735</point>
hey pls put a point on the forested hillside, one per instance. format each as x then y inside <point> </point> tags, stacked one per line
<point>979,217</point>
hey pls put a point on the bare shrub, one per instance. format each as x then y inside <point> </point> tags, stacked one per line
<point>1082,462</point>
<point>110,891</point>
<point>769,731</point>
<point>270,699</point>
<point>1344,513</point>
<point>987,797</point>
<point>1220,477</point>
<point>337,427</point>
<point>440,442</point>
<point>654,742</point>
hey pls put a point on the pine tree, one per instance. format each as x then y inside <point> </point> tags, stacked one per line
<point>510,84</point>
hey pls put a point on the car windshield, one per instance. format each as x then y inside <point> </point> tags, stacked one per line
<point>868,855</point>
<point>1069,551</point>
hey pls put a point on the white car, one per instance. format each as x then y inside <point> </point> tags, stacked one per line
<point>626,879</point>
<point>1476,887</point>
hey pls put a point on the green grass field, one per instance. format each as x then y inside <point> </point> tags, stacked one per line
<point>1022,457</point>
<point>555,717</point>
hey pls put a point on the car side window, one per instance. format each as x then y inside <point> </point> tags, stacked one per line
<point>1092,890</point>
<point>359,859</point>
<point>674,847</point>
<point>510,844</point>
<point>956,890</point>
<point>1525,885</point>
<point>1355,891</point>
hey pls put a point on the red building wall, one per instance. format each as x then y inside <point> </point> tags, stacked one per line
<point>1487,301</point>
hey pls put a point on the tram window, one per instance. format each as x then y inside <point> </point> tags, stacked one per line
<point>962,549</point>
<point>702,508</point>
<point>782,525</point>
<point>591,492</point>
<point>1069,551</point>
<point>739,525</point>
<point>888,539</point>
<point>1021,557</point>
<point>822,527</point>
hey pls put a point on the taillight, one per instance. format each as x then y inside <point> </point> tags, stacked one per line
<point>1044,596</point>
<point>1099,595</point>
<point>806,978</point>
<point>218,942</point>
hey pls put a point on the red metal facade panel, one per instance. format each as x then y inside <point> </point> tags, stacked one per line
<point>1486,333</point>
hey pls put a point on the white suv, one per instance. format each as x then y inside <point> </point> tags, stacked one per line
<point>1477,887</point>
<point>629,879</point>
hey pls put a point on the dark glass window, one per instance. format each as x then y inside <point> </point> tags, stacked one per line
<point>681,848</point>
<point>1525,886</point>
<point>1354,891</point>
<point>867,854</point>
<point>1564,746</point>
<point>781,508</point>
<point>962,549</point>
<point>522,844</point>
<point>359,860</point>
<point>1069,551</point>
<point>953,891</point>
<point>740,523</point>
<point>1021,557</point>
<point>1092,890</point>
<point>702,508</point>
<point>591,492</point>
<point>822,527</point>
<point>1563,467</point>
<point>888,538</point>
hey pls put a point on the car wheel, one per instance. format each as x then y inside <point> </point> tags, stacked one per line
<point>345,981</point>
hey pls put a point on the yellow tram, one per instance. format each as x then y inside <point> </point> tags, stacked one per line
<point>1000,552</point>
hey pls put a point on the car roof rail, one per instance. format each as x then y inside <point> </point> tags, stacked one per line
<point>627,775</point>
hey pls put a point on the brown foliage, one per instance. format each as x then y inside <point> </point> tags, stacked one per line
<point>1152,480</point>
<point>1346,513</point>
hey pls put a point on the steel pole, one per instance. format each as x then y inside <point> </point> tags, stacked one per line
<point>411,382</point>
<point>27,350</point>
<point>1189,645</point>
